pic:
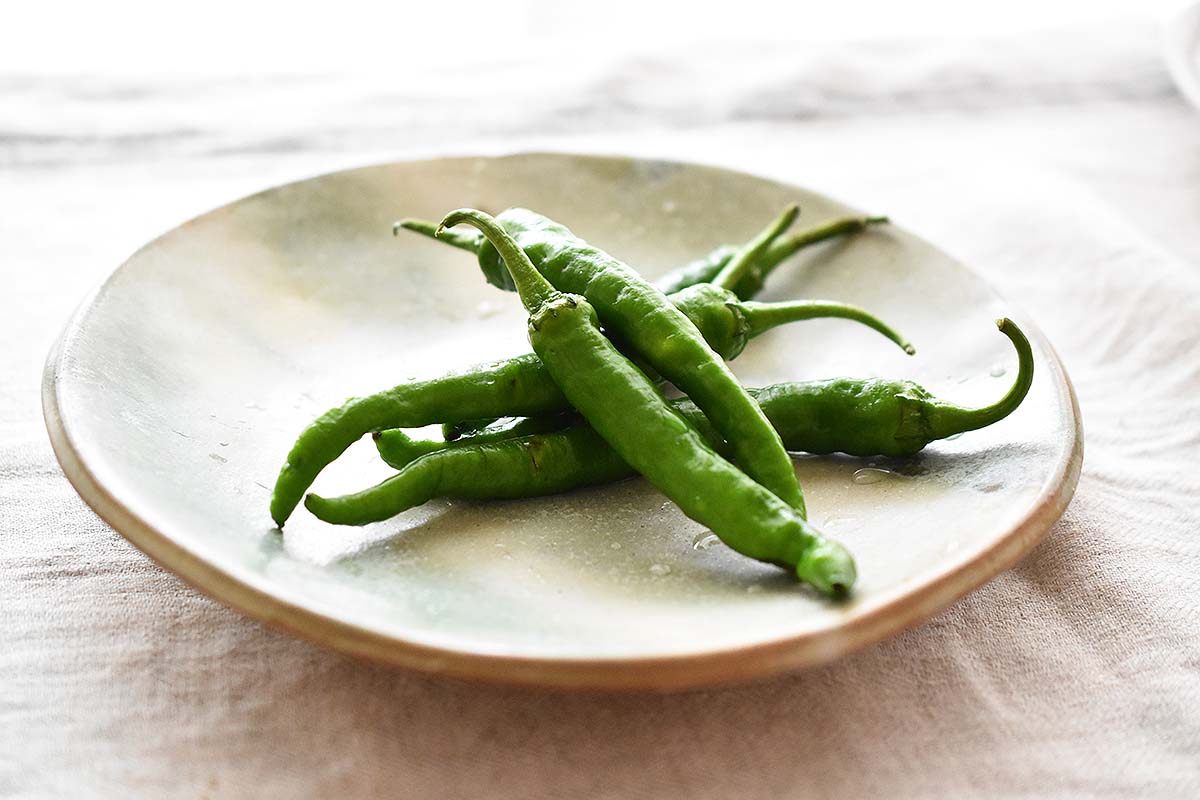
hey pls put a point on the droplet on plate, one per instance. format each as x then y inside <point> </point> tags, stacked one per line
<point>705,541</point>
<point>659,570</point>
<point>868,475</point>
<point>997,371</point>
<point>223,444</point>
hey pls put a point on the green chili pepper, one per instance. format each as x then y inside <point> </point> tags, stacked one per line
<point>518,386</point>
<point>705,268</point>
<point>632,309</point>
<point>859,417</point>
<point>871,417</point>
<point>627,410</point>
<point>700,271</point>
<point>728,324</point>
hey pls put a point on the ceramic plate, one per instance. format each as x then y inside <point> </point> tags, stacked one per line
<point>176,390</point>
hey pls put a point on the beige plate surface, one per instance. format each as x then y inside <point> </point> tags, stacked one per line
<point>177,389</point>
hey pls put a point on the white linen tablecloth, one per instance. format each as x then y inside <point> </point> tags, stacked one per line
<point>1063,166</point>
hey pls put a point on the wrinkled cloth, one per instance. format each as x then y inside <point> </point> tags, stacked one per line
<point>1065,168</point>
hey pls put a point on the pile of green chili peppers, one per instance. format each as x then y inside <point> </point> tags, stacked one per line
<point>587,406</point>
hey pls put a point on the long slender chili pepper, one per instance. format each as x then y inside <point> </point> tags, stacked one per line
<point>627,410</point>
<point>518,386</point>
<point>634,310</point>
<point>872,417</point>
<point>859,417</point>
<point>705,268</point>
<point>729,324</point>
<point>700,271</point>
<point>533,457</point>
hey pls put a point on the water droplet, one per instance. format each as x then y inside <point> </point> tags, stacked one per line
<point>669,206</point>
<point>487,309</point>
<point>997,371</point>
<point>870,475</point>
<point>223,444</point>
<point>705,541</point>
<point>615,546</point>
<point>659,570</point>
<point>954,436</point>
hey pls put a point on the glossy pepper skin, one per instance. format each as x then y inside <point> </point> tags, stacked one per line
<point>519,386</point>
<point>659,333</point>
<point>627,410</point>
<point>859,417</point>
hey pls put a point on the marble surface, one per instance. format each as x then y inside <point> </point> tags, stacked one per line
<point>1064,165</point>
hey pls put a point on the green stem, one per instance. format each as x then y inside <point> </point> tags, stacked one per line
<point>947,420</point>
<point>532,287</point>
<point>747,257</point>
<point>761,317</point>
<point>463,241</point>
<point>788,246</point>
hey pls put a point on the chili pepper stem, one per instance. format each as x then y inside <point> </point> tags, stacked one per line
<point>463,241</point>
<point>787,246</point>
<point>761,317</point>
<point>947,420</point>
<point>532,287</point>
<point>747,256</point>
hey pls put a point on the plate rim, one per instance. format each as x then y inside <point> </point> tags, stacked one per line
<point>692,669</point>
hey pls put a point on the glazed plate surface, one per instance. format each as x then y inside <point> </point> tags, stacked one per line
<point>178,387</point>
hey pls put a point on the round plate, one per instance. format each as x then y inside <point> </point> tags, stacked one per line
<point>177,389</point>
